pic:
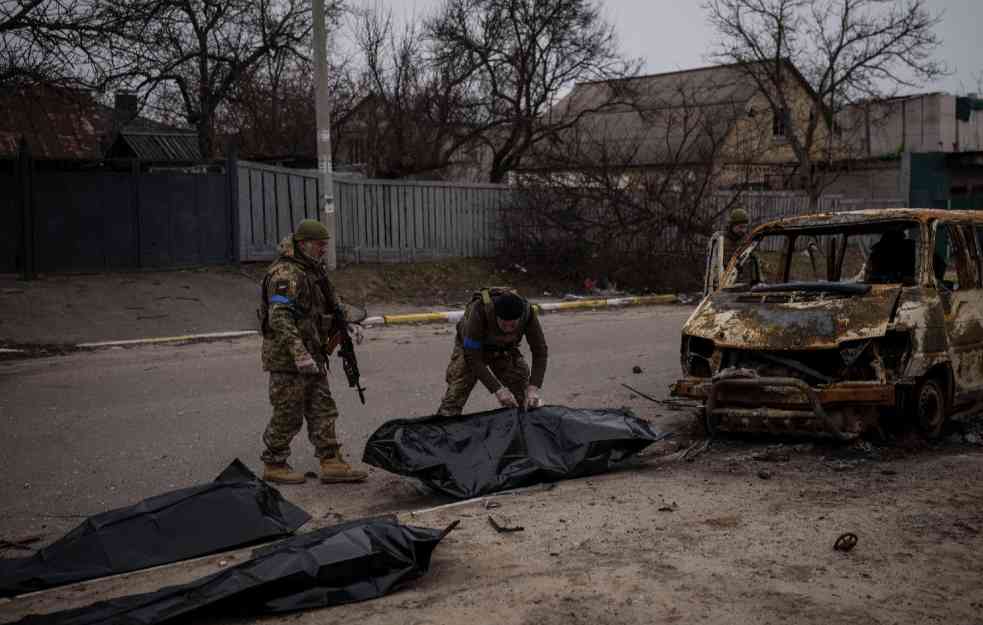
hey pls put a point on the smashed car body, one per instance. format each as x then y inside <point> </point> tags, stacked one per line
<point>833,322</point>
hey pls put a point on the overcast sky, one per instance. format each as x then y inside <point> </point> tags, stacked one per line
<point>670,35</point>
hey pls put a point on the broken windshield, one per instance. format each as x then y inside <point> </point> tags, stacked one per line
<point>830,258</point>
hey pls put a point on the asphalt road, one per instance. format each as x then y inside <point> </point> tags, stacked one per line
<point>88,432</point>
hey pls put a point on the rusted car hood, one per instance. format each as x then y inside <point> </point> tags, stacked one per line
<point>734,320</point>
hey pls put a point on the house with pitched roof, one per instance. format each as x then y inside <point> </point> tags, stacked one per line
<point>62,124</point>
<point>712,119</point>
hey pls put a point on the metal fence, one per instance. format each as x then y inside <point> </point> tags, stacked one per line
<point>10,220</point>
<point>377,220</point>
<point>105,220</point>
<point>100,220</point>
<point>400,221</point>
<point>272,200</point>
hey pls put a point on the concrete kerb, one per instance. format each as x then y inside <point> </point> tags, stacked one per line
<point>453,316</point>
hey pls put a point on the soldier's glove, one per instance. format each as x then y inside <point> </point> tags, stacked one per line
<point>533,400</point>
<point>355,331</point>
<point>306,365</point>
<point>506,398</point>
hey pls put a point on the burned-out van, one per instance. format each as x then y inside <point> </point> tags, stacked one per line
<point>836,322</point>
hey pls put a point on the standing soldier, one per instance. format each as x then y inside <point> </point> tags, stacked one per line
<point>737,230</point>
<point>486,348</point>
<point>298,306</point>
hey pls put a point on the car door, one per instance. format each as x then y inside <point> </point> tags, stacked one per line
<point>715,264</point>
<point>962,301</point>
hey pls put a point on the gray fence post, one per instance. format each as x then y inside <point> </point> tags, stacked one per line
<point>232,191</point>
<point>28,240</point>
<point>137,218</point>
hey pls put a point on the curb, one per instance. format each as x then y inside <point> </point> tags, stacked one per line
<point>453,316</point>
<point>168,339</point>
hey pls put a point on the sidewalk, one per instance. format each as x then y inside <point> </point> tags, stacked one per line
<point>212,302</point>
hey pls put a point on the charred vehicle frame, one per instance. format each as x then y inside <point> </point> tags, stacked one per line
<point>902,336</point>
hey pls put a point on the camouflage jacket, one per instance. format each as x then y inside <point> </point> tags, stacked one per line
<point>299,314</point>
<point>480,336</point>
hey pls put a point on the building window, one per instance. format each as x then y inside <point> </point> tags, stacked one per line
<point>779,124</point>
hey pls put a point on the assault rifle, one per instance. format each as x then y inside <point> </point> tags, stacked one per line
<point>340,336</point>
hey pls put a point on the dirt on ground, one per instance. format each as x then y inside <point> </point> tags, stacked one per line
<point>52,314</point>
<point>447,283</point>
<point>740,531</point>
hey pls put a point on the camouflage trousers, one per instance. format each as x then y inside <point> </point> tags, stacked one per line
<point>295,396</point>
<point>509,367</point>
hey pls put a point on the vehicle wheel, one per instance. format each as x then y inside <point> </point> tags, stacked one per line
<point>929,407</point>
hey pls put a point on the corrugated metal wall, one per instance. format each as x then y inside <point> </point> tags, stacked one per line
<point>99,221</point>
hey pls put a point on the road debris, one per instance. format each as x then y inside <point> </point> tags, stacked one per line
<point>23,544</point>
<point>504,529</point>
<point>764,474</point>
<point>845,542</point>
<point>771,455</point>
<point>669,508</point>
<point>697,448</point>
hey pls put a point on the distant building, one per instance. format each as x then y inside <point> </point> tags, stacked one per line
<point>925,148</point>
<point>70,125</point>
<point>712,117</point>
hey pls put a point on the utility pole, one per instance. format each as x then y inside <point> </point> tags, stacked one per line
<point>322,104</point>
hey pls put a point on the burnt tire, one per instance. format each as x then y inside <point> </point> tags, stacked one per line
<point>929,407</point>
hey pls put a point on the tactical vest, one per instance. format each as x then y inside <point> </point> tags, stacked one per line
<point>263,312</point>
<point>495,340</point>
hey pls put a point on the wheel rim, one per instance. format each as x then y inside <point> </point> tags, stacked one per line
<point>930,408</point>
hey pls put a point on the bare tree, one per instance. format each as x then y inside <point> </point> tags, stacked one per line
<point>847,51</point>
<point>189,55</point>
<point>520,55</point>
<point>56,42</point>
<point>631,191</point>
<point>417,117</point>
<point>271,110</point>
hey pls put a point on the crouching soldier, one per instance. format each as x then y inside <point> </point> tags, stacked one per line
<point>297,308</point>
<point>486,348</point>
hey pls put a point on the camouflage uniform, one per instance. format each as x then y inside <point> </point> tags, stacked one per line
<point>297,322</point>
<point>483,352</point>
<point>732,240</point>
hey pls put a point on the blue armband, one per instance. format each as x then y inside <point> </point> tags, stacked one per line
<point>280,299</point>
<point>470,343</point>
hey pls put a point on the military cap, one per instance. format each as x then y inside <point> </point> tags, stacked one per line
<point>738,216</point>
<point>311,230</point>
